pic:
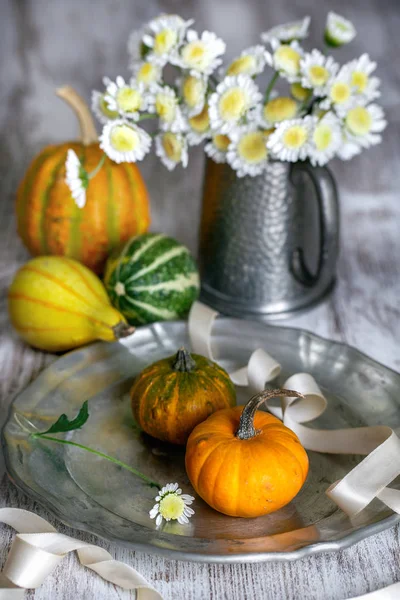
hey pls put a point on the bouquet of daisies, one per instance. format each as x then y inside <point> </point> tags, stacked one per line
<point>178,80</point>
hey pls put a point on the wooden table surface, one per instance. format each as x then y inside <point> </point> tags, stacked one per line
<point>45,44</point>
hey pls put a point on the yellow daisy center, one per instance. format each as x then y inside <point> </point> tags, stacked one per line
<point>200,122</point>
<point>295,136</point>
<point>124,139</point>
<point>193,90</point>
<point>243,64</point>
<point>171,506</point>
<point>359,80</point>
<point>358,120</point>
<point>195,54</point>
<point>340,92</point>
<point>221,142</point>
<point>318,75</point>
<point>147,73</point>
<point>287,59</point>
<point>172,147</point>
<point>232,104</point>
<point>112,114</point>
<point>322,136</point>
<point>164,41</point>
<point>165,107</point>
<point>299,92</point>
<point>252,147</point>
<point>279,109</point>
<point>128,99</point>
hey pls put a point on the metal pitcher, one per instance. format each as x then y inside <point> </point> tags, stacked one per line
<point>268,244</point>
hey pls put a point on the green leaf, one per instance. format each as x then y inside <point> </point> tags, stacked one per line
<point>64,424</point>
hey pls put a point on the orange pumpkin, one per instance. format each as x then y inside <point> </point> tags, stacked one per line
<point>173,395</point>
<point>117,206</point>
<point>244,462</point>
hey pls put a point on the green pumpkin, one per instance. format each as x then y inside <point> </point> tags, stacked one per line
<point>152,278</point>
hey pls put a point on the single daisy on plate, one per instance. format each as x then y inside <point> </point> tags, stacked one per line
<point>325,139</point>
<point>147,73</point>
<point>198,127</point>
<point>217,147</point>
<point>101,108</point>
<point>171,504</point>
<point>233,98</point>
<point>164,102</point>
<point>126,98</point>
<point>339,93</point>
<point>172,149</point>
<point>275,111</point>
<point>193,93</point>
<point>296,30</point>
<point>247,154</point>
<point>291,139</point>
<point>338,30</point>
<point>162,38</point>
<point>251,62</point>
<point>76,178</point>
<point>359,72</point>
<point>285,59</point>
<point>317,71</point>
<point>124,142</point>
<point>364,124</point>
<point>202,55</point>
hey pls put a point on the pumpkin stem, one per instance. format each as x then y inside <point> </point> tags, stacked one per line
<point>82,111</point>
<point>183,361</point>
<point>246,428</point>
<point>122,330</point>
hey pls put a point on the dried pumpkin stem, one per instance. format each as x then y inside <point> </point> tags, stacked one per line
<point>122,330</point>
<point>82,111</point>
<point>246,429</point>
<point>183,361</point>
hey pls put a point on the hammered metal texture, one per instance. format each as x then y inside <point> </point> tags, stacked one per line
<point>251,227</point>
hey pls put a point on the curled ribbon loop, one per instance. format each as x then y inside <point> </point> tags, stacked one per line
<point>369,479</point>
<point>37,549</point>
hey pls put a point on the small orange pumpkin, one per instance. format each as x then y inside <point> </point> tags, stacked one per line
<point>244,462</point>
<point>117,204</point>
<point>171,396</point>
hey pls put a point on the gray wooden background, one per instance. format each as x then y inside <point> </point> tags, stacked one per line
<point>44,44</point>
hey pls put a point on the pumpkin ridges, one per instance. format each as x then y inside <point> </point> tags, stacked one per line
<point>77,269</point>
<point>112,210</point>
<point>141,197</point>
<point>127,218</point>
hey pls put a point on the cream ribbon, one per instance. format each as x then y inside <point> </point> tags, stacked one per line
<point>37,549</point>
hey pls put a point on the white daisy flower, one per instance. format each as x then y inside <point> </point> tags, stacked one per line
<point>101,108</point>
<point>163,36</point>
<point>164,102</point>
<point>171,504</point>
<point>136,47</point>
<point>217,147</point>
<point>326,139</point>
<point>317,71</point>
<point>347,150</point>
<point>339,93</point>
<point>147,73</point>
<point>247,153</point>
<point>285,59</point>
<point>275,111</point>
<point>364,124</point>
<point>338,30</point>
<point>76,178</point>
<point>198,127</point>
<point>200,54</point>
<point>359,72</point>
<point>172,149</point>
<point>291,139</point>
<point>251,62</point>
<point>193,93</point>
<point>124,142</point>
<point>126,98</point>
<point>233,98</point>
<point>296,30</point>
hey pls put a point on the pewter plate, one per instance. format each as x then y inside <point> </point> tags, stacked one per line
<point>89,493</point>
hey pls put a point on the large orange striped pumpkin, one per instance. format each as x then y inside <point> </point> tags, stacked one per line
<point>117,206</point>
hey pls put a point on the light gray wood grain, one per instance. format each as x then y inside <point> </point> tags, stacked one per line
<point>45,44</point>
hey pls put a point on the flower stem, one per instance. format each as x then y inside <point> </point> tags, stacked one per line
<point>270,87</point>
<point>97,169</point>
<point>144,116</point>
<point>149,481</point>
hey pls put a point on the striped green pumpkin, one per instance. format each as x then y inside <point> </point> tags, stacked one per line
<point>152,278</point>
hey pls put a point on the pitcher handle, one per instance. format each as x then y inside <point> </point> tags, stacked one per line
<point>328,205</point>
